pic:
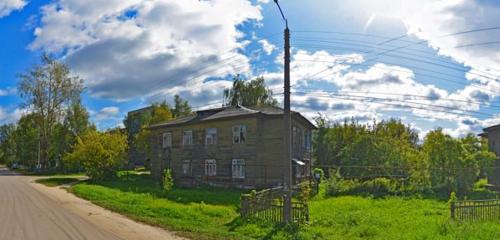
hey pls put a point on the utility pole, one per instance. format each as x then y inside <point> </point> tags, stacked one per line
<point>287,139</point>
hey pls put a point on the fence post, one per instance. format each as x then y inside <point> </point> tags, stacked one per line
<point>452,209</point>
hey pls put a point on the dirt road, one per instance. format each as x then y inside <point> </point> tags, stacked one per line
<point>32,211</point>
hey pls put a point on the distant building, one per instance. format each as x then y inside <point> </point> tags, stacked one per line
<point>493,135</point>
<point>133,126</point>
<point>231,146</point>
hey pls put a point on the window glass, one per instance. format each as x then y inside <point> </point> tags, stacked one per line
<point>238,168</point>
<point>186,167</point>
<point>210,167</point>
<point>167,140</point>
<point>210,136</point>
<point>239,134</point>
<point>187,138</point>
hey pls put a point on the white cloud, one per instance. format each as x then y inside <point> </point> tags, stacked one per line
<point>438,19</point>
<point>107,113</point>
<point>8,6</point>
<point>267,46</point>
<point>7,91</point>
<point>125,49</point>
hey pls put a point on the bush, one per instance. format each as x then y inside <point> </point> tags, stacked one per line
<point>377,187</point>
<point>168,181</point>
<point>99,153</point>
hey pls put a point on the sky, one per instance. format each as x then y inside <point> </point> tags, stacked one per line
<point>430,63</point>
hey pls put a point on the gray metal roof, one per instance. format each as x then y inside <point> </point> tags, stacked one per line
<point>226,112</point>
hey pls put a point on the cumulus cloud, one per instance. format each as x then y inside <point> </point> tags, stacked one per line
<point>438,20</point>
<point>126,49</point>
<point>267,46</point>
<point>107,113</point>
<point>8,6</point>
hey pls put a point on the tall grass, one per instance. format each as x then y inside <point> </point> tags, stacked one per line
<point>212,213</point>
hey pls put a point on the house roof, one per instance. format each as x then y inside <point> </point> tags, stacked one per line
<point>229,112</point>
<point>491,128</point>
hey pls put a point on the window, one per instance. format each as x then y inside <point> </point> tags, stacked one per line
<point>307,140</point>
<point>211,136</point>
<point>187,138</point>
<point>238,168</point>
<point>167,140</point>
<point>210,167</point>
<point>239,134</point>
<point>186,167</point>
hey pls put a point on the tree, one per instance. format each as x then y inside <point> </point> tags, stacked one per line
<point>159,113</point>
<point>27,142</point>
<point>250,94</point>
<point>451,165</point>
<point>48,90</point>
<point>181,107</point>
<point>99,153</point>
<point>7,144</point>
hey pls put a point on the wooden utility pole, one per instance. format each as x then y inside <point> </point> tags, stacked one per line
<point>287,211</point>
<point>287,127</point>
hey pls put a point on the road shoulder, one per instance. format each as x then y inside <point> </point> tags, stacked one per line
<point>115,223</point>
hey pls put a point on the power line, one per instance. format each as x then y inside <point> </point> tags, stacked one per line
<point>430,107</point>
<point>416,68</point>
<point>405,57</point>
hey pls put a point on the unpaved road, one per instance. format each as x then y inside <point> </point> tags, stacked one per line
<point>32,211</point>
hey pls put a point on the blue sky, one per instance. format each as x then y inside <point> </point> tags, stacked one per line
<point>431,63</point>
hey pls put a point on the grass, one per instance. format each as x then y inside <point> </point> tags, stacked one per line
<point>211,213</point>
<point>56,181</point>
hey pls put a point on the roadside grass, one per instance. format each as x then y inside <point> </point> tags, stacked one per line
<point>212,213</point>
<point>56,181</point>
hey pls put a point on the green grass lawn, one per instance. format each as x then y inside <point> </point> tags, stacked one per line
<point>56,181</point>
<point>211,213</point>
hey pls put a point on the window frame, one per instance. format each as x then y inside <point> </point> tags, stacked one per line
<point>163,143</point>
<point>184,142</point>
<point>189,169</point>
<point>239,134</point>
<point>210,168</point>
<point>212,136</point>
<point>238,166</point>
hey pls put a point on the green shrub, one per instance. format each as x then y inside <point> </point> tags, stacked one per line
<point>99,153</point>
<point>168,181</point>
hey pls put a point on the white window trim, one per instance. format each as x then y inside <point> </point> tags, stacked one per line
<point>166,144</point>
<point>237,134</point>
<point>210,167</point>
<point>212,136</point>
<point>189,167</point>
<point>184,143</point>
<point>241,172</point>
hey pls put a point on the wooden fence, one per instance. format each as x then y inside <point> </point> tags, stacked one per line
<point>476,210</point>
<point>267,205</point>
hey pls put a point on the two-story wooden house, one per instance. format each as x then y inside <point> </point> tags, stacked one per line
<point>493,135</point>
<point>231,146</point>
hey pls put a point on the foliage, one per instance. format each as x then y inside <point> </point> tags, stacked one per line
<point>168,181</point>
<point>48,91</point>
<point>390,150</point>
<point>7,144</point>
<point>56,181</point>
<point>99,153</point>
<point>249,93</point>
<point>320,172</point>
<point>159,113</point>
<point>181,107</point>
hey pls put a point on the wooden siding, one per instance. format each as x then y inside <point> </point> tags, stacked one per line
<point>262,152</point>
